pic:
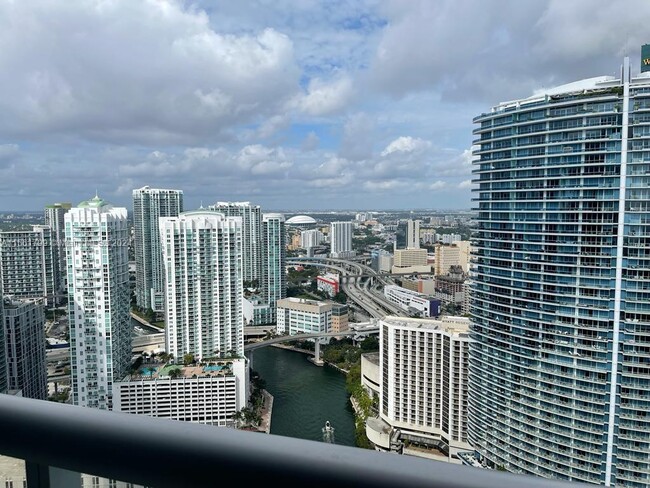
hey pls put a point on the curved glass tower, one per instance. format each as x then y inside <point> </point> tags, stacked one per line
<point>560,357</point>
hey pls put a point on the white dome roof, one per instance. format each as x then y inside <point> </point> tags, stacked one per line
<point>301,219</point>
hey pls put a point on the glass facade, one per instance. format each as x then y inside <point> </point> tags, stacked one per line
<point>560,352</point>
<point>274,281</point>
<point>149,204</point>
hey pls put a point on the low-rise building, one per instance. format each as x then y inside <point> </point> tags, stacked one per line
<point>329,283</point>
<point>302,316</point>
<point>412,302</point>
<point>208,393</point>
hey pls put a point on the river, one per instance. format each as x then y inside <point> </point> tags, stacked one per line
<point>305,396</point>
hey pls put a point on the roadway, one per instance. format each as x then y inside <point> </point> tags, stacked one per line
<point>360,331</point>
<point>357,285</point>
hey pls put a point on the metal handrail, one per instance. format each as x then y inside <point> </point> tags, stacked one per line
<point>164,453</point>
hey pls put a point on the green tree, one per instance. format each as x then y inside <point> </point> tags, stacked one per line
<point>175,373</point>
<point>188,359</point>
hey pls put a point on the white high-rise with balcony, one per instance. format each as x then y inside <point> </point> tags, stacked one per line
<point>423,385</point>
<point>97,240</point>
<point>202,254</point>
<point>560,351</point>
<point>149,204</point>
<point>310,238</point>
<point>341,239</point>
<point>252,236</point>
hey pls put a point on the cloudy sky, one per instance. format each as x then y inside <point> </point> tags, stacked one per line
<point>289,104</point>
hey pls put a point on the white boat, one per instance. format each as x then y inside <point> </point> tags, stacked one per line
<point>328,433</point>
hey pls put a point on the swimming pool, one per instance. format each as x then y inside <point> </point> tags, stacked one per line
<point>212,368</point>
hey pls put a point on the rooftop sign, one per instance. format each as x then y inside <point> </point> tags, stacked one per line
<point>645,58</point>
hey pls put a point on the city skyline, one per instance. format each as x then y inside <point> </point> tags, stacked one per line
<point>291,105</point>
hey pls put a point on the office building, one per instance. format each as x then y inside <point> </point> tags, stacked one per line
<point>28,264</point>
<point>413,234</point>
<point>301,316</point>
<point>341,240</point>
<point>54,218</point>
<point>340,318</point>
<point>97,237</point>
<point>401,233</point>
<point>149,204</point>
<point>202,255</point>
<point>24,324</point>
<point>375,257</point>
<point>560,311</point>
<point>446,256</point>
<point>205,393</point>
<point>252,250</point>
<point>311,238</point>
<point>421,382</point>
<point>410,261</point>
<point>412,302</point>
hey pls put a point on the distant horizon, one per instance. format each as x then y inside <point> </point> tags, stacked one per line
<point>299,211</point>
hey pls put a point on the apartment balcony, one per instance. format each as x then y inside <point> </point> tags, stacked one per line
<point>57,441</point>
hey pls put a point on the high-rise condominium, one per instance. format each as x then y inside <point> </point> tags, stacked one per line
<point>54,218</point>
<point>560,361</point>
<point>341,239</point>
<point>274,278</point>
<point>422,390</point>
<point>28,264</point>
<point>202,253</point>
<point>149,204</point>
<point>25,346</point>
<point>252,251</point>
<point>3,357</point>
<point>97,237</point>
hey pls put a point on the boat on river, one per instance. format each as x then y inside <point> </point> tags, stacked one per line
<point>328,433</point>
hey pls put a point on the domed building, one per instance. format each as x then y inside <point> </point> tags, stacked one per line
<point>301,221</point>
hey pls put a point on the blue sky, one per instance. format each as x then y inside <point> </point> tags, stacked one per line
<point>297,104</point>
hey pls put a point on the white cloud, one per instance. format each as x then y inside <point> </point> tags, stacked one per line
<point>324,98</point>
<point>465,184</point>
<point>405,145</point>
<point>438,185</point>
<point>136,70</point>
<point>384,185</point>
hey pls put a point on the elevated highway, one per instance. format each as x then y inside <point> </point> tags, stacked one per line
<point>358,278</point>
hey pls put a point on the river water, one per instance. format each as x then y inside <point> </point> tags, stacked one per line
<point>305,396</point>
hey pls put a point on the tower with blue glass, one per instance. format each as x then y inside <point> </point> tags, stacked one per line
<point>560,316</point>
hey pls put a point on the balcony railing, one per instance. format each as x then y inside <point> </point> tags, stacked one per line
<point>161,453</point>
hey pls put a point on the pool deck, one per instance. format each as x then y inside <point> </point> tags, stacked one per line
<point>163,370</point>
